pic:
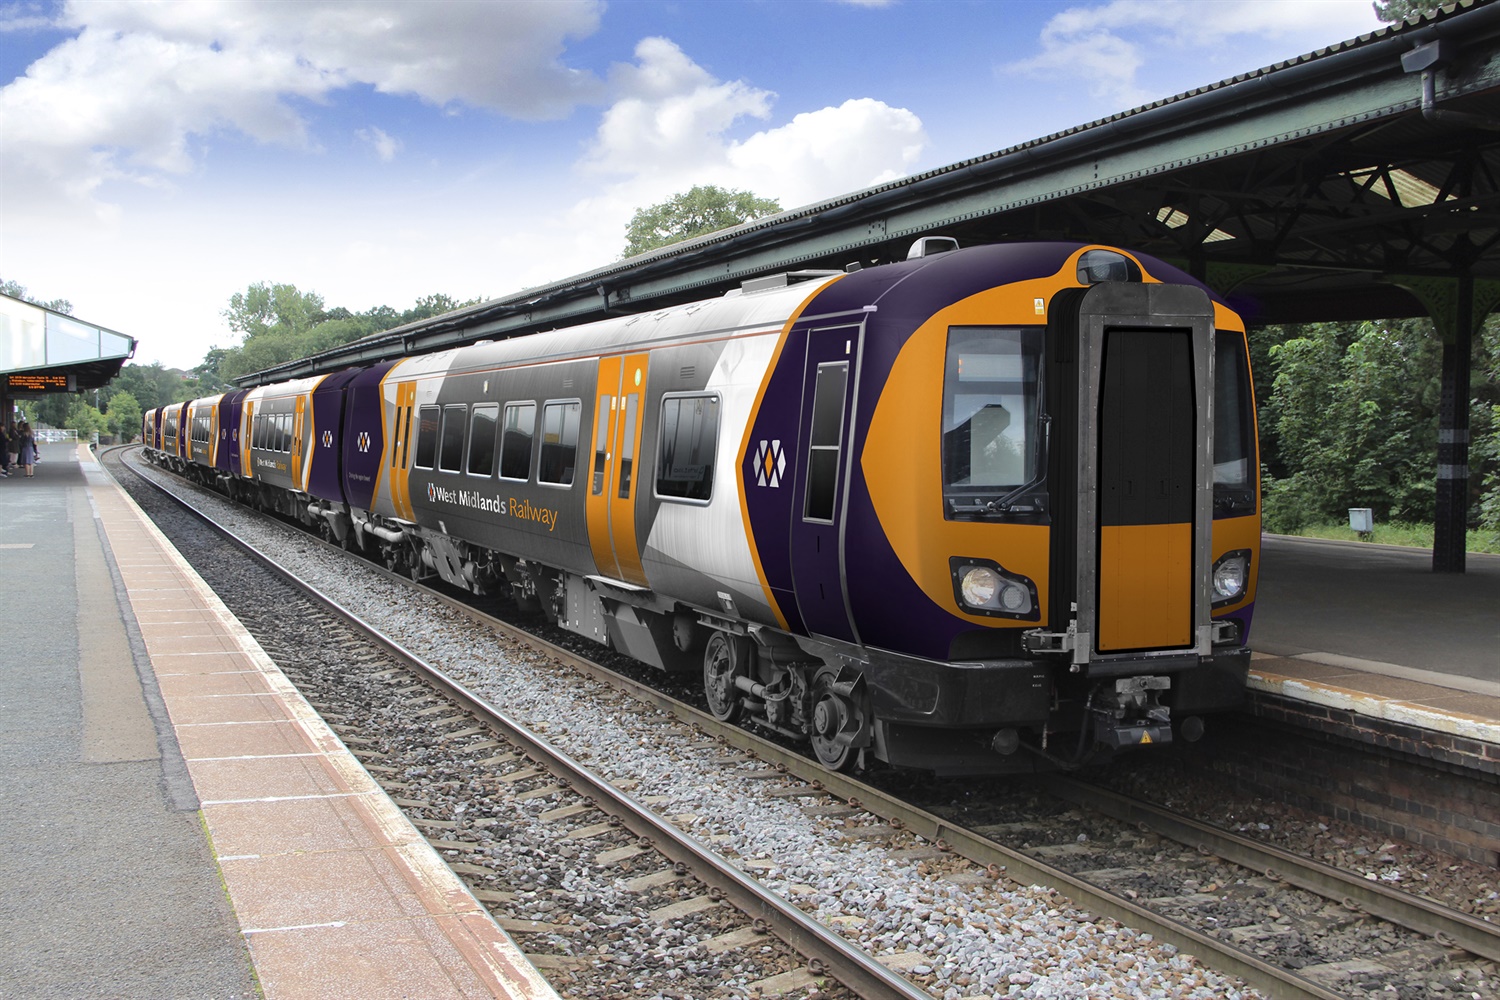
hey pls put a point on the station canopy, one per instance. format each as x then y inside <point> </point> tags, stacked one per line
<point>43,351</point>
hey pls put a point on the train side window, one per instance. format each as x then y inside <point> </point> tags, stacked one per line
<point>559,442</point>
<point>627,446</point>
<point>826,441</point>
<point>515,441</point>
<point>601,441</point>
<point>451,447</point>
<point>482,439</point>
<point>1234,423</point>
<point>427,437</point>
<point>689,442</point>
<point>286,433</point>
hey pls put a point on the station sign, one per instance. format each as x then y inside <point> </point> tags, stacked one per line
<point>40,382</point>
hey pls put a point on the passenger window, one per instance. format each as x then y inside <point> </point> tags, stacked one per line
<point>515,445</point>
<point>827,439</point>
<point>689,445</point>
<point>482,439</point>
<point>559,443</point>
<point>286,433</point>
<point>451,454</point>
<point>627,447</point>
<point>427,437</point>
<point>601,441</point>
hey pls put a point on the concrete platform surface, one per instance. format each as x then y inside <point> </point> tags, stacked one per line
<point>1372,630</point>
<point>182,824</point>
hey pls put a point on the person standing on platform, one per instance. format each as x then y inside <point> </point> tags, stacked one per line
<point>10,449</point>
<point>25,448</point>
<point>4,452</point>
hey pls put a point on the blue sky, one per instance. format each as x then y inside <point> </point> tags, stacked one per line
<point>157,157</point>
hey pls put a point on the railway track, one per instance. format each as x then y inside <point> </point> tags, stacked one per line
<point>675,875</point>
<point>865,812</point>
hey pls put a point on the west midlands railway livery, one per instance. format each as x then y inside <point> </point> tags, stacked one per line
<point>986,509</point>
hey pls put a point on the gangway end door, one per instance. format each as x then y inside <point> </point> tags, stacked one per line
<point>619,410</point>
<point>1145,510</point>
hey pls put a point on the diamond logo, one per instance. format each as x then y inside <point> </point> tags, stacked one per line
<point>364,441</point>
<point>328,439</point>
<point>770,464</point>
<point>432,493</point>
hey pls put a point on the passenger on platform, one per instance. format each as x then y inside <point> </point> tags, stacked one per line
<point>4,453</point>
<point>10,450</point>
<point>25,448</point>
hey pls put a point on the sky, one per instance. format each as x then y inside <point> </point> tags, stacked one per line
<point>158,157</point>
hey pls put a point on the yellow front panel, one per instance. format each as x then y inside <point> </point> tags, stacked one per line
<point>1145,586</point>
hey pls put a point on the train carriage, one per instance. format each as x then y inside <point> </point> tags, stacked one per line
<point>982,510</point>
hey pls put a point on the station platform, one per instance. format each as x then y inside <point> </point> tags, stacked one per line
<point>179,822</point>
<point>1368,632</point>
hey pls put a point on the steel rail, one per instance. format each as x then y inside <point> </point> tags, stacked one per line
<point>1449,926</point>
<point>828,952</point>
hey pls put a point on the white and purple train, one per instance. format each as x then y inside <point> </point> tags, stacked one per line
<point>982,510</point>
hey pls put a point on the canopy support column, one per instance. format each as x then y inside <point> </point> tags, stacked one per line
<point>1450,524</point>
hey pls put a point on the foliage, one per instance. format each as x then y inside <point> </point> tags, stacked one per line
<point>17,291</point>
<point>281,324</point>
<point>1353,417</point>
<point>152,385</point>
<point>1350,420</point>
<point>1392,11</point>
<point>122,414</point>
<point>703,209</point>
<point>83,418</point>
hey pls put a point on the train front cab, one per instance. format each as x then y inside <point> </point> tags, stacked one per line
<point>1153,439</point>
<point>1097,531</point>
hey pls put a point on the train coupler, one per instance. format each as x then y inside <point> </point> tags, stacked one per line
<point>1130,715</point>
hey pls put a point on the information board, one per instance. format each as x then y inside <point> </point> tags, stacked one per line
<point>39,382</point>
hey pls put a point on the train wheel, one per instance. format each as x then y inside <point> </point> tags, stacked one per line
<point>836,719</point>
<point>722,660</point>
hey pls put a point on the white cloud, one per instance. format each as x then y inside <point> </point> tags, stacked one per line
<point>1107,45</point>
<point>385,145</point>
<point>821,154</point>
<point>670,113</point>
<point>140,84</point>
<point>670,129</point>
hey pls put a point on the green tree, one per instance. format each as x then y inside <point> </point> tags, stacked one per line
<point>1392,11</point>
<point>83,418</point>
<point>122,414</point>
<point>152,385</point>
<point>703,209</point>
<point>17,291</point>
<point>1353,411</point>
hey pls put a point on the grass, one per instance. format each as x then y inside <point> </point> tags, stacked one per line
<point>1400,533</point>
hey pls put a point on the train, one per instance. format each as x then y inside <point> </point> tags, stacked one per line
<point>986,509</point>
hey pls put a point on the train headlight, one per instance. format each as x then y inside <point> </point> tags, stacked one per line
<point>980,586</point>
<point>984,587</point>
<point>1231,576</point>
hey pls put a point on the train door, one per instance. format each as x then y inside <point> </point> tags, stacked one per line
<point>299,418</point>
<point>400,437</point>
<point>817,530</point>
<point>619,409</point>
<point>1135,540</point>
